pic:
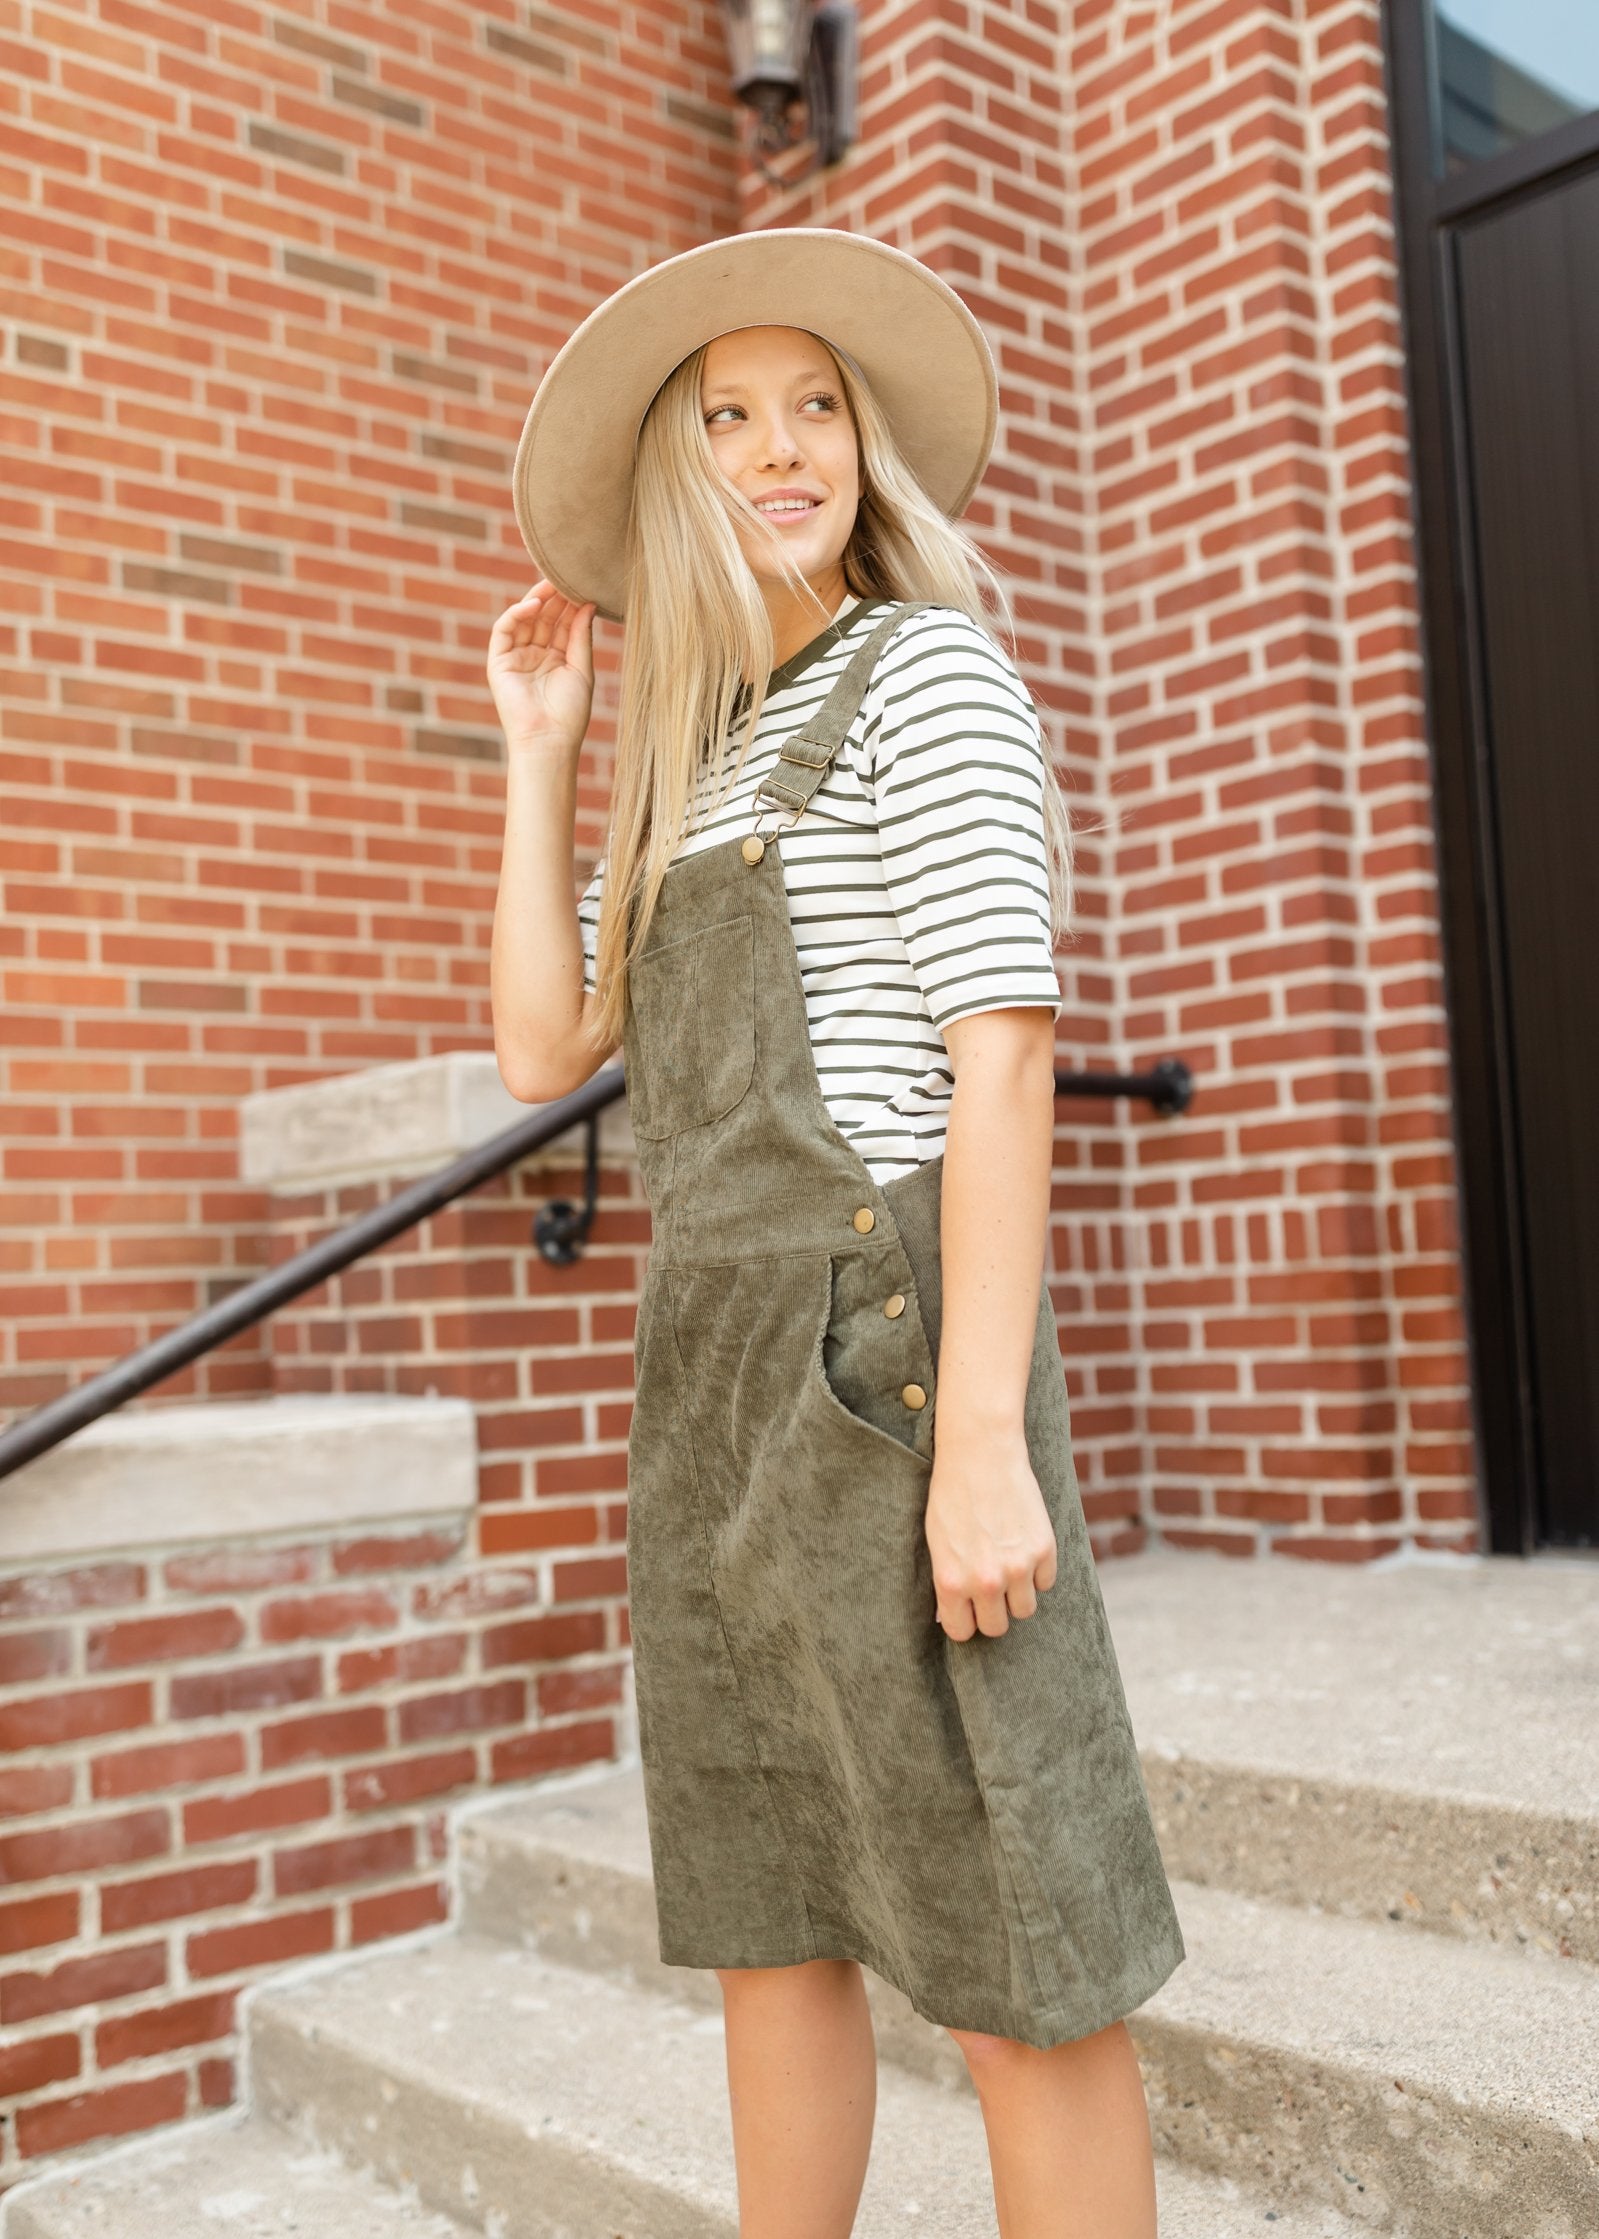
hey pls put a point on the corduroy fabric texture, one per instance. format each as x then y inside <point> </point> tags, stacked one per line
<point>826,1773</point>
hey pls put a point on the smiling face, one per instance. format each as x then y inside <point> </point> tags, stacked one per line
<point>781,432</point>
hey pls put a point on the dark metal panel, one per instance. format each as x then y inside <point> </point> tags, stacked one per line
<point>1528,278</point>
<point>1500,1363</point>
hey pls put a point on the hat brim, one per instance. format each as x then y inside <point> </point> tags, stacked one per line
<point>925,356</point>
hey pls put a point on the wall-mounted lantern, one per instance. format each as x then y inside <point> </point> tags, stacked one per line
<point>791,52</point>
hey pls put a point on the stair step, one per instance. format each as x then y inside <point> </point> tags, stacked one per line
<point>1405,1741</point>
<point>1445,2088</point>
<point>538,2101</point>
<point>560,2101</point>
<point>1333,2058</point>
<point>237,2179</point>
<point>251,2179</point>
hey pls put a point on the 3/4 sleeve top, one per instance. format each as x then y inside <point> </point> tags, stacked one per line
<point>917,878</point>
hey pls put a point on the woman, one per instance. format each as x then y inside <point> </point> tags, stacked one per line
<point>880,1715</point>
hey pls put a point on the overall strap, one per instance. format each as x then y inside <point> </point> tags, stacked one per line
<point>805,759</point>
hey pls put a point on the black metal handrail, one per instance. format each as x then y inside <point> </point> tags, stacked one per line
<point>557,1230</point>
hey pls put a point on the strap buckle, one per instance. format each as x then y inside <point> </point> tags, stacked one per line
<point>769,810</point>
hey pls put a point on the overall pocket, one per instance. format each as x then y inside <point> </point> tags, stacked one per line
<point>862,1360</point>
<point>690,1054</point>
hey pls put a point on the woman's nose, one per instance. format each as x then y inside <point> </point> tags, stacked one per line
<point>779,440</point>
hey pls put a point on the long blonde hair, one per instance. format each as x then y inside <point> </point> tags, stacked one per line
<point>698,632</point>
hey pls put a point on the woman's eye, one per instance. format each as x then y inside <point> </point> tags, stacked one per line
<point>822,396</point>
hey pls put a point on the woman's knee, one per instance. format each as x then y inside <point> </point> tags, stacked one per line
<point>803,1974</point>
<point>984,2054</point>
<point>987,2055</point>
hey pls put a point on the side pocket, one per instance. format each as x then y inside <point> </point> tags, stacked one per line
<point>862,1359</point>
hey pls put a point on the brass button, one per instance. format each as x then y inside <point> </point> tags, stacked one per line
<point>865,1219</point>
<point>754,848</point>
<point>914,1396</point>
<point>895,1306</point>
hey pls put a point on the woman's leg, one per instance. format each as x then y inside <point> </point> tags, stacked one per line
<point>802,2077</point>
<point>1068,2135</point>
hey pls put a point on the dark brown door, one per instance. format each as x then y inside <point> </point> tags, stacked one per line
<point>1496,113</point>
<point>1527,291</point>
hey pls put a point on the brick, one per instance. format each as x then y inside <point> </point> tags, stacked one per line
<point>386,1850</point>
<point>480,1593</point>
<point>259,1943</point>
<point>539,1640</point>
<point>38,1920</point>
<point>337,1733</point>
<point>50,2125</point>
<point>73,1714</point>
<point>399,1912</point>
<point>402,1661</point>
<point>148,1640</point>
<point>217,2082</point>
<point>288,1803</point>
<point>324,1616</point>
<point>370,1787</point>
<point>36,1655</point>
<point>56,1593</point>
<point>188,2021</point>
<point>524,1755</point>
<point>561,1692</point>
<point>167,1765</point>
<point>123,1973</point>
<point>240,1570</point>
<point>80,1847</point>
<point>499,1703</point>
<point>36,2062</point>
<point>129,1904</point>
<point>218,1694</point>
<point>27,1789</point>
<point>397,1551</point>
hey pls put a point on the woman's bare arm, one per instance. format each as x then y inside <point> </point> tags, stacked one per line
<point>988,1529</point>
<point>541,672</point>
<point>542,1016</point>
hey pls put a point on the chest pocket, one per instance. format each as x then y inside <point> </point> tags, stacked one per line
<point>690,1054</point>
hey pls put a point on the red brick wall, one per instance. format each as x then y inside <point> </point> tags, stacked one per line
<point>1300,1365</point>
<point>219,1761</point>
<point>278,297</point>
<point>1174,218</point>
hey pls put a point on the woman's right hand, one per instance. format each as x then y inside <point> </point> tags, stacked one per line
<point>541,671</point>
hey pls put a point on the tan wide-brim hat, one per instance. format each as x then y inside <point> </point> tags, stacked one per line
<point>923,353</point>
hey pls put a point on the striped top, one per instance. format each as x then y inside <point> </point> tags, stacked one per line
<point>917,878</point>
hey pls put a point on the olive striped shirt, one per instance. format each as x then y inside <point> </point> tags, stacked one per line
<point>917,877</point>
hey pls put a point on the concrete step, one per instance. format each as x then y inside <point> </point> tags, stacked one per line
<point>1412,1741</point>
<point>1441,2089</point>
<point>535,2101</point>
<point>228,2179</point>
<point>1327,2059</point>
<point>241,1470</point>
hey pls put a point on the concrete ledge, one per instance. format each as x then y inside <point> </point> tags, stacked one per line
<point>393,1120</point>
<point>240,1469</point>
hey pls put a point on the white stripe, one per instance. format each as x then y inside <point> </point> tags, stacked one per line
<point>917,878</point>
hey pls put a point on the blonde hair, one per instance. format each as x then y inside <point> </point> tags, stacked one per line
<point>698,632</point>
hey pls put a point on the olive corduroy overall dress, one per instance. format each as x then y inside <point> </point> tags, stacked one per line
<point>826,1773</point>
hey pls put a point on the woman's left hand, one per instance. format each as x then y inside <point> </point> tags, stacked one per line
<point>988,1531</point>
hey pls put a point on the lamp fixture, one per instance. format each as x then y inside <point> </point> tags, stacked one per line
<point>791,52</point>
